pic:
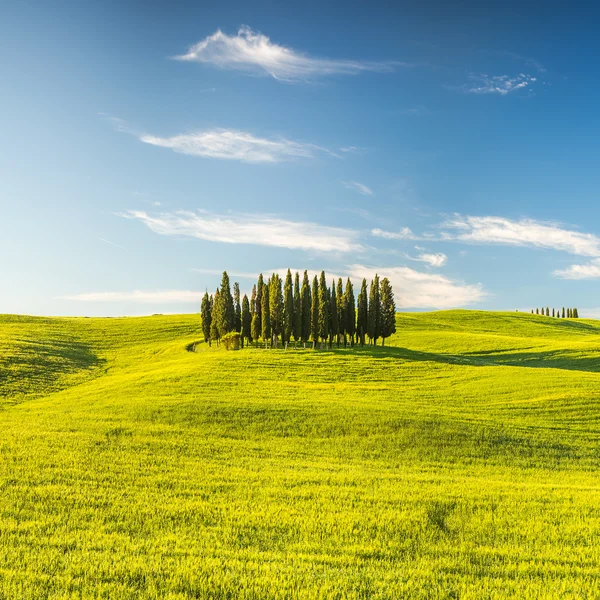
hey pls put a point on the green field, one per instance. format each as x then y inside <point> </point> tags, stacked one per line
<point>460,461</point>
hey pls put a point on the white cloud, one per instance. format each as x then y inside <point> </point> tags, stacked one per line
<point>219,272</point>
<point>413,289</point>
<point>235,145</point>
<point>255,53</point>
<point>404,234</point>
<point>589,270</point>
<point>497,84</point>
<point>526,232</point>
<point>263,230</point>
<point>159,297</point>
<point>438,259</point>
<point>356,186</point>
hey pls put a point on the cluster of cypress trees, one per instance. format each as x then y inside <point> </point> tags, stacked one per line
<point>285,310</point>
<point>569,313</point>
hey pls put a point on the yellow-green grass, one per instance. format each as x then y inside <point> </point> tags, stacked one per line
<point>460,461</point>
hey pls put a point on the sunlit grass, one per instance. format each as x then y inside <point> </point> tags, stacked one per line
<point>460,461</point>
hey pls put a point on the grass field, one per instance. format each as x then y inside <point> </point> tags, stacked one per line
<point>460,461</point>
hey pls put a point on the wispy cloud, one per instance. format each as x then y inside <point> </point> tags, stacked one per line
<point>219,272</point>
<point>111,243</point>
<point>157,297</point>
<point>589,270</point>
<point>404,234</point>
<point>528,61</point>
<point>356,186</point>
<point>353,150</point>
<point>525,232</point>
<point>481,83</point>
<point>254,53</point>
<point>236,145</point>
<point>264,230</point>
<point>438,259</point>
<point>413,289</point>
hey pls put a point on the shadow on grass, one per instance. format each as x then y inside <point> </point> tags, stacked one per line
<point>39,366</point>
<point>563,359</point>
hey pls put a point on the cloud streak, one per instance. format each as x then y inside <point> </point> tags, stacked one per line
<point>438,259</point>
<point>589,270</point>
<point>404,234</point>
<point>525,232</point>
<point>481,83</point>
<point>413,289</point>
<point>263,230</point>
<point>356,186</point>
<point>254,53</point>
<point>231,144</point>
<point>156,297</point>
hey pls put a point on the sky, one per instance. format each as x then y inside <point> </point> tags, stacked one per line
<point>145,147</point>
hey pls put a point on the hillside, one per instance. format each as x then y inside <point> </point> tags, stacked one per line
<point>457,462</point>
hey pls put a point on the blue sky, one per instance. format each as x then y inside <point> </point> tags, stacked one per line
<point>147,146</point>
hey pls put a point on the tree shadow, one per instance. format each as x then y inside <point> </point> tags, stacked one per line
<point>562,359</point>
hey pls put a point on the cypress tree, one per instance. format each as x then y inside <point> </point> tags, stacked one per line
<point>288,308</point>
<point>226,312</point>
<point>206,317</point>
<point>575,313</point>
<point>259,295</point>
<point>253,301</point>
<point>246,320</point>
<point>388,310</point>
<point>214,323</point>
<point>568,313</point>
<point>334,330</point>
<point>350,311</point>
<point>537,311</point>
<point>553,314</point>
<point>363,312</point>
<point>237,307</point>
<point>265,317</point>
<point>297,309</point>
<point>341,311</point>
<point>323,308</point>
<point>314,312</point>
<point>547,311</point>
<point>306,302</point>
<point>563,312</point>
<point>276,306</point>
<point>255,327</point>
<point>374,312</point>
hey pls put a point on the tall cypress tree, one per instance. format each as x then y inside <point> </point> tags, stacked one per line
<point>246,320</point>
<point>216,317</point>
<point>537,311</point>
<point>314,312</point>
<point>255,327</point>
<point>306,308</point>
<point>237,307</point>
<point>575,313</point>
<point>288,308</point>
<point>563,312</point>
<point>206,317</point>
<point>388,310</point>
<point>259,295</point>
<point>276,306</point>
<point>363,312</point>
<point>334,331</point>
<point>323,308</point>
<point>226,313</point>
<point>553,313</point>
<point>350,311</point>
<point>297,309</point>
<point>547,311</point>
<point>265,314</point>
<point>341,311</point>
<point>253,301</point>
<point>374,312</point>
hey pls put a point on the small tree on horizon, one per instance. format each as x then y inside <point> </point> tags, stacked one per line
<point>563,312</point>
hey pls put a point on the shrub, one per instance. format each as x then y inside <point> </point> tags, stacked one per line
<point>231,340</point>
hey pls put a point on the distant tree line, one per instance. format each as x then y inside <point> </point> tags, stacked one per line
<point>300,311</point>
<point>568,313</point>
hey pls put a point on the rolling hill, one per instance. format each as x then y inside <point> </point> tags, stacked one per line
<point>458,461</point>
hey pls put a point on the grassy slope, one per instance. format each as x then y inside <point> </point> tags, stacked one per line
<point>458,462</point>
